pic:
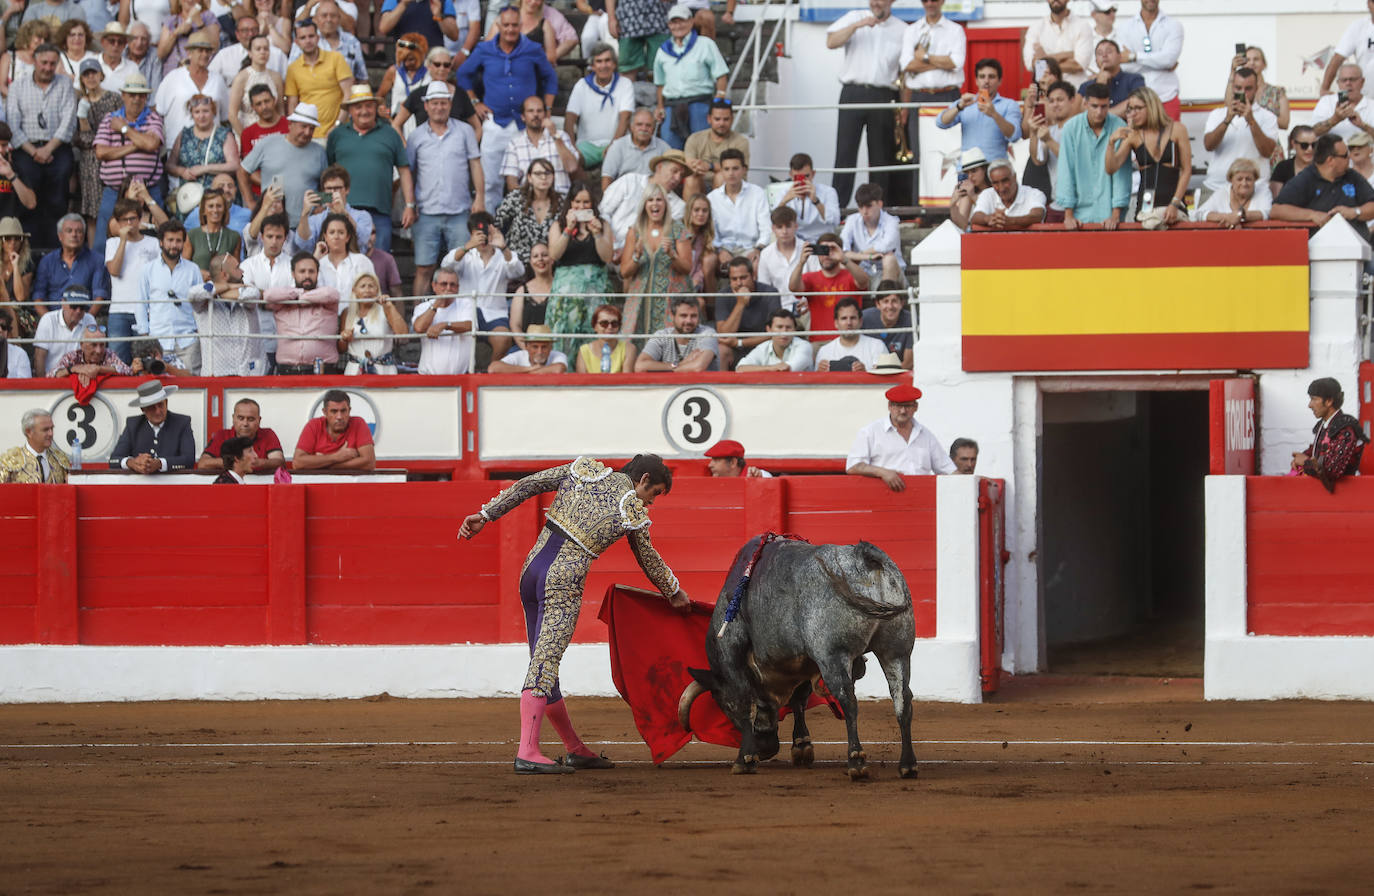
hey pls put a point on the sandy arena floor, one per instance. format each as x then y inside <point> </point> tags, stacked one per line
<point>1058,786</point>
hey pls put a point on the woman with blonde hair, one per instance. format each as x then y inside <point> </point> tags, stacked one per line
<point>1159,148</point>
<point>657,258</point>
<point>365,332</point>
<point>17,62</point>
<point>213,236</point>
<point>608,352</point>
<point>700,228</point>
<point>1242,202</point>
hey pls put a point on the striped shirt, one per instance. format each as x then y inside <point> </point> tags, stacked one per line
<point>55,106</point>
<point>139,165</point>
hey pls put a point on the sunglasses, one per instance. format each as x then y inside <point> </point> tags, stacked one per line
<point>612,324</point>
<point>407,45</point>
<point>1340,155</point>
<point>437,64</point>
<point>1304,144</point>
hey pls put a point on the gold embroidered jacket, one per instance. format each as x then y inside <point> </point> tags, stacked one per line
<point>595,505</point>
<point>19,465</point>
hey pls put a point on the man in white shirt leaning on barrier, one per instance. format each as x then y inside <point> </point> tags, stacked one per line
<point>897,445</point>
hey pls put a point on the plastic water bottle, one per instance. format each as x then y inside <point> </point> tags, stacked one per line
<point>605,358</point>
<point>319,366</point>
<point>76,453</point>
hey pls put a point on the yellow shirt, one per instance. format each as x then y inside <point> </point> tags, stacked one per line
<point>319,84</point>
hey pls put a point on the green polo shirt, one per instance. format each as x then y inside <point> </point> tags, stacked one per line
<point>364,157</point>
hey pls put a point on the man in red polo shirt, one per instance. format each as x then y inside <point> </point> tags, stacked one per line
<point>727,459</point>
<point>247,425</point>
<point>820,290</point>
<point>336,441</point>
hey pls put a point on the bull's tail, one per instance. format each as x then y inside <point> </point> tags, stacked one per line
<point>874,561</point>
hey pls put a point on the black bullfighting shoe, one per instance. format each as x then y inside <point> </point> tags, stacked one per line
<point>525,767</point>
<point>587,762</point>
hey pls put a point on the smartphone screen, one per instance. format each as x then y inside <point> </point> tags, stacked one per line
<point>984,97</point>
<point>1240,49</point>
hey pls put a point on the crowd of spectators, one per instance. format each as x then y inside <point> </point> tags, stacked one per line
<point>1102,118</point>
<point>219,190</point>
<point>242,179</point>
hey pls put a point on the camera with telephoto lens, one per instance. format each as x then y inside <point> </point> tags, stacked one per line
<point>153,365</point>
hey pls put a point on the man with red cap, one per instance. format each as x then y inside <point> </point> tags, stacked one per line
<point>727,459</point>
<point>890,448</point>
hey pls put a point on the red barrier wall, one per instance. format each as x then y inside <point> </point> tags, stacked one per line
<point>1309,554</point>
<point>379,563</point>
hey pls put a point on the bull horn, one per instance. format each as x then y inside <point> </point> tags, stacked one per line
<point>684,705</point>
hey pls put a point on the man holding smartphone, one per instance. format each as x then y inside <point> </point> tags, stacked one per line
<point>1348,111</point>
<point>293,157</point>
<point>817,206</point>
<point>1239,130</point>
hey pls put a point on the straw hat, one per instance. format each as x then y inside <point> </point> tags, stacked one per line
<point>361,93</point>
<point>11,227</point>
<point>887,365</point>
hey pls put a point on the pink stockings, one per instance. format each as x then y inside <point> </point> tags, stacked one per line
<point>533,709</point>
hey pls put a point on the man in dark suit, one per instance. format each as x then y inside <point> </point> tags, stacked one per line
<point>156,440</point>
<point>238,456</point>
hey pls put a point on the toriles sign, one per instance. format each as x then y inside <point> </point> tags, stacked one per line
<point>1135,300</point>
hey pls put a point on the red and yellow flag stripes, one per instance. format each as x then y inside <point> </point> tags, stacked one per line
<point>1135,300</point>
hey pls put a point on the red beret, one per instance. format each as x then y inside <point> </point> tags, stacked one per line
<point>726,448</point>
<point>903,394</point>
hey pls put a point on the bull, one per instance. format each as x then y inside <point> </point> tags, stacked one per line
<point>809,611</point>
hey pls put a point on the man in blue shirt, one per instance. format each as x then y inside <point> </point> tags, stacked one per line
<point>72,264</point>
<point>435,19</point>
<point>169,285</point>
<point>509,67</point>
<point>988,121</point>
<point>1120,83</point>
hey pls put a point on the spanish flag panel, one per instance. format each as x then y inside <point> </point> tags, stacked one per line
<point>1135,300</point>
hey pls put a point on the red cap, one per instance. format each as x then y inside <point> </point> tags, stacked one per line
<point>726,448</point>
<point>903,394</point>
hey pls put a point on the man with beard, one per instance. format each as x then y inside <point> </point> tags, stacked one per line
<point>307,320</point>
<point>170,283</point>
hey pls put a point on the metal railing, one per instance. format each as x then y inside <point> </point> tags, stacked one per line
<point>209,336</point>
<point>755,51</point>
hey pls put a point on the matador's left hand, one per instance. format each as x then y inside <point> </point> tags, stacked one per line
<point>472,525</point>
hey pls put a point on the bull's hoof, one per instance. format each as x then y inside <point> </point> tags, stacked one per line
<point>747,767</point>
<point>858,773</point>
<point>906,771</point>
<point>803,754</point>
